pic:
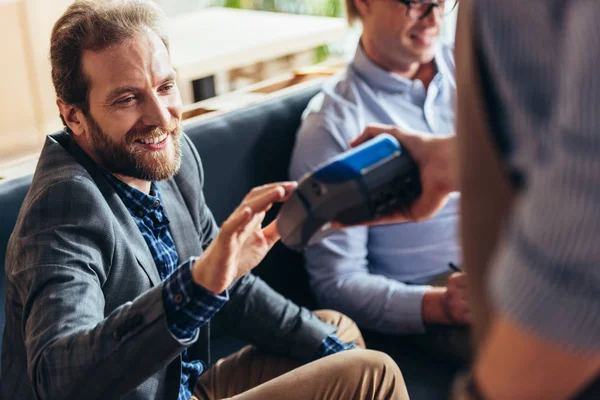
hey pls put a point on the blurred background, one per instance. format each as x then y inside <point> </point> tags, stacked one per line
<point>220,48</point>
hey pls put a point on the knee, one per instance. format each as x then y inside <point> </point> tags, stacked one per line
<point>332,317</point>
<point>378,360</point>
<point>347,329</point>
<point>336,318</point>
<point>381,369</point>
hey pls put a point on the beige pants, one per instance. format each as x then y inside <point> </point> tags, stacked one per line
<point>353,374</point>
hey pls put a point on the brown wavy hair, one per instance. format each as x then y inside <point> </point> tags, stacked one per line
<point>95,25</point>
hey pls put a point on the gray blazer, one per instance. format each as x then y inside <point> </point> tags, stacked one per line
<point>84,311</point>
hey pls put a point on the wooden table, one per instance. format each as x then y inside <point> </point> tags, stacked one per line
<point>214,40</point>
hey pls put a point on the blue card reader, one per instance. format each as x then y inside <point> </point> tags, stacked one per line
<point>371,180</point>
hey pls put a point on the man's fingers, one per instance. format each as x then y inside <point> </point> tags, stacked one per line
<point>252,225</point>
<point>288,193</point>
<point>236,221</point>
<point>258,191</point>
<point>395,217</point>
<point>459,280</point>
<point>265,200</point>
<point>258,201</point>
<point>427,206</point>
<point>405,137</point>
<point>370,132</point>
<point>271,233</point>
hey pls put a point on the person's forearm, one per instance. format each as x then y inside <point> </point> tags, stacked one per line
<point>283,328</point>
<point>63,356</point>
<point>517,364</point>
<point>382,304</point>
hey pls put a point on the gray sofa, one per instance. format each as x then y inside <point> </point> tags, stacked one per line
<point>240,150</point>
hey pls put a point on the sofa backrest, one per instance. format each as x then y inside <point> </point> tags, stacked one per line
<point>250,147</point>
<point>12,194</point>
<point>239,150</point>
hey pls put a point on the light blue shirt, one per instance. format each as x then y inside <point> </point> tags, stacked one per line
<point>375,275</point>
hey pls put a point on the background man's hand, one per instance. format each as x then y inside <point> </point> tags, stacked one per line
<point>457,307</point>
<point>242,241</point>
<point>448,305</point>
<point>435,157</point>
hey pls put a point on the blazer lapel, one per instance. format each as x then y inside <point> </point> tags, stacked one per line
<point>181,226</point>
<point>187,241</point>
<point>136,241</point>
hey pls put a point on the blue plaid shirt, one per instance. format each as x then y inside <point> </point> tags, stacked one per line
<point>188,306</point>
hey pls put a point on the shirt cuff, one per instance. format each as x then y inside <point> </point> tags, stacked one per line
<point>188,306</point>
<point>403,310</point>
<point>331,345</point>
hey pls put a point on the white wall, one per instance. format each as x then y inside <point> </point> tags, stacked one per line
<point>176,7</point>
<point>27,100</point>
<point>17,121</point>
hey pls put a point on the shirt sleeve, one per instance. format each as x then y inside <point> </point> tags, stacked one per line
<point>545,274</point>
<point>331,345</point>
<point>188,306</point>
<point>340,276</point>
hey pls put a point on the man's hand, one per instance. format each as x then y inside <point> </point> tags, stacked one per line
<point>242,241</point>
<point>435,157</point>
<point>448,305</point>
<point>457,306</point>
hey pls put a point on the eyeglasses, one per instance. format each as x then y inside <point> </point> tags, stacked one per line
<point>420,9</point>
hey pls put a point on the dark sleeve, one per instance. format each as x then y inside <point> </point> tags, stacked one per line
<point>259,315</point>
<point>60,262</point>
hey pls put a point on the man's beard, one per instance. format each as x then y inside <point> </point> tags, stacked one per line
<point>125,158</point>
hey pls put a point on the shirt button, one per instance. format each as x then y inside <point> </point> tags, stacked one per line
<point>116,336</point>
<point>156,203</point>
<point>140,213</point>
<point>178,298</point>
<point>415,84</point>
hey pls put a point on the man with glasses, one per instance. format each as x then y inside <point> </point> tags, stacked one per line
<point>392,279</point>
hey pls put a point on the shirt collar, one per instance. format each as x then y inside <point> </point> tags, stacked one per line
<point>377,77</point>
<point>138,203</point>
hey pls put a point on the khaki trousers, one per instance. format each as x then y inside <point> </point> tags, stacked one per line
<point>354,374</point>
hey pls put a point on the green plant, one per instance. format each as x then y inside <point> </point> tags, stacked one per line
<point>326,8</point>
